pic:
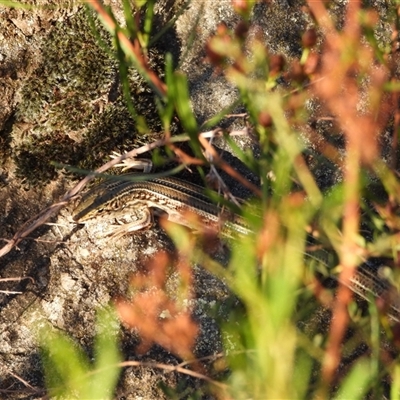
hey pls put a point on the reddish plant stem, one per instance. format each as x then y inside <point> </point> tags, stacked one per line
<point>360,133</point>
<point>132,46</point>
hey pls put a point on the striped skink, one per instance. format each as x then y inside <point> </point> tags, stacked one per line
<point>146,195</point>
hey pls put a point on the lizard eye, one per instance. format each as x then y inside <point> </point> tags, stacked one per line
<point>99,211</point>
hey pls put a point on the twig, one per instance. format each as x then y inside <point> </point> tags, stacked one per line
<point>219,162</point>
<point>241,115</point>
<point>174,368</point>
<point>10,292</point>
<point>28,385</point>
<point>18,279</point>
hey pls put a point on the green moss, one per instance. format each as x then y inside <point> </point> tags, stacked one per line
<point>74,71</point>
<point>74,104</point>
<point>40,152</point>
